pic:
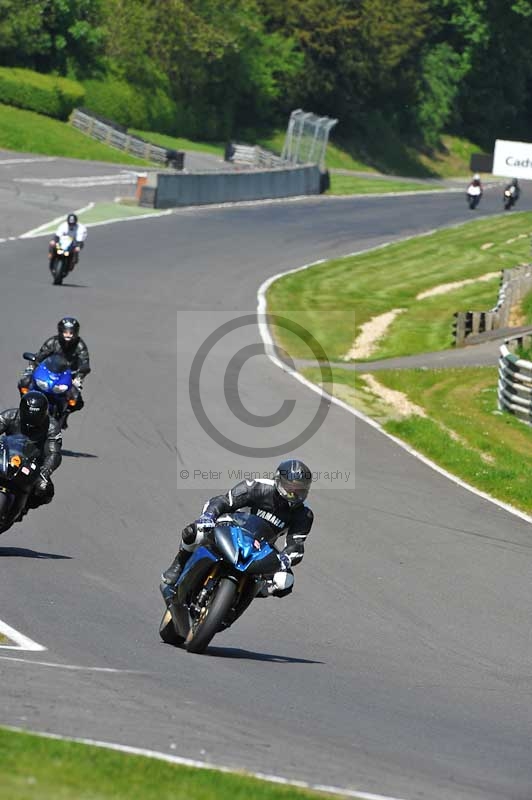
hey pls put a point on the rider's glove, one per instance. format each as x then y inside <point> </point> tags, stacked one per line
<point>42,484</point>
<point>205,523</point>
<point>285,562</point>
<point>78,382</point>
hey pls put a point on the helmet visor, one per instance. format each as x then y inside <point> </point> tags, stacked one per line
<point>293,491</point>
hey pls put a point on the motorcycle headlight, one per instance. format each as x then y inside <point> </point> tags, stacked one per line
<point>42,384</point>
<point>60,388</point>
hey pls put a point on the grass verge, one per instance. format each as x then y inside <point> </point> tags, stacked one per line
<point>462,431</point>
<point>37,767</point>
<point>103,212</point>
<point>449,415</point>
<point>451,159</point>
<point>27,132</point>
<point>333,300</point>
<point>350,184</point>
<point>177,143</point>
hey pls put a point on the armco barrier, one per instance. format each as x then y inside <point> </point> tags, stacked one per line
<point>252,156</point>
<point>515,283</point>
<point>113,135</point>
<point>207,188</point>
<point>514,389</point>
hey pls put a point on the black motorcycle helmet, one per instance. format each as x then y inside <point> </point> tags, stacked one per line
<point>72,220</point>
<point>292,480</point>
<point>33,410</point>
<point>68,331</point>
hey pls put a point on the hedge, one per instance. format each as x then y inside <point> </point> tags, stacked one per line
<point>130,106</point>
<point>45,94</point>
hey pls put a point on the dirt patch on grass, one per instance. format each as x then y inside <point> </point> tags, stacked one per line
<point>397,400</point>
<point>370,333</point>
<point>450,287</point>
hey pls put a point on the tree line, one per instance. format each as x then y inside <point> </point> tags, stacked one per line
<point>218,68</point>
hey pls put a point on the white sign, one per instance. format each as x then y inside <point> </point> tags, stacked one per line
<point>512,159</point>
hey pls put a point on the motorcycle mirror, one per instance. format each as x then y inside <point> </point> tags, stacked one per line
<point>29,356</point>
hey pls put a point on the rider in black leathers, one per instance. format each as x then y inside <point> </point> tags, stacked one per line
<point>71,346</point>
<point>280,502</point>
<point>31,418</point>
<point>514,190</point>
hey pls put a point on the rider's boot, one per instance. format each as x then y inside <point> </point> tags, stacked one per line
<point>171,575</point>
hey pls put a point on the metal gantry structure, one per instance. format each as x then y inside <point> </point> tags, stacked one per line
<point>306,138</point>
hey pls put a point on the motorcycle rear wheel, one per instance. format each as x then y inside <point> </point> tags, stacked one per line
<point>212,616</point>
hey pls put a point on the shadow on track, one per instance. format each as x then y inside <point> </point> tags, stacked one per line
<point>74,285</point>
<point>24,552</point>
<point>74,454</point>
<point>235,652</point>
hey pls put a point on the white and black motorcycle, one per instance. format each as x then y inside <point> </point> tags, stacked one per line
<point>62,259</point>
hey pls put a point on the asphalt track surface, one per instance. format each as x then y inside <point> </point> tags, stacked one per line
<point>402,663</point>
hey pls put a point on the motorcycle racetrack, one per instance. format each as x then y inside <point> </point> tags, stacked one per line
<point>402,662</point>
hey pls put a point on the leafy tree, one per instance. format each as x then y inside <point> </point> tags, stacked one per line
<point>52,35</point>
<point>21,36</point>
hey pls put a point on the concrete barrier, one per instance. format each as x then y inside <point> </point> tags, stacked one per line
<point>207,188</point>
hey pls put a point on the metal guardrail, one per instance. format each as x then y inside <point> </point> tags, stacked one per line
<point>514,387</point>
<point>515,283</point>
<point>102,132</point>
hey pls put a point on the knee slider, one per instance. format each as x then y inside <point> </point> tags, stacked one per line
<point>282,584</point>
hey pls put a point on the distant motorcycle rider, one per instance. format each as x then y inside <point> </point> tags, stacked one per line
<point>32,419</point>
<point>71,346</point>
<point>77,231</point>
<point>512,192</point>
<point>279,502</point>
<point>474,191</point>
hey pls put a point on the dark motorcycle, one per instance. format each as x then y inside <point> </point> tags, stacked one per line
<point>18,472</point>
<point>53,378</point>
<point>510,197</point>
<point>219,581</point>
<point>61,262</point>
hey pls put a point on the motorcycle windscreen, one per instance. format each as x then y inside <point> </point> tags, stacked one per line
<point>65,242</point>
<point>53,375</point>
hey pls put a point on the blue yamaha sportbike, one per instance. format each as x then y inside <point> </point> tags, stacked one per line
<point>219,581</point>
<point>53,378</point>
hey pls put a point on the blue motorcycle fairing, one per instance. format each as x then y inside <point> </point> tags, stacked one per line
<point>240,547</point>
<point>53,378</point>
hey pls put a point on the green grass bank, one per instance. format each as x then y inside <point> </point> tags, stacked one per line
<point>449,415</point>
<point>38,768</point>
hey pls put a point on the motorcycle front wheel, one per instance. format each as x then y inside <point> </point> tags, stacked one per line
<point>4,502</point>
<point>211,616</point>
<point>58,272</point>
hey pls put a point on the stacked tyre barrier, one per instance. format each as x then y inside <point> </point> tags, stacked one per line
<point>514,389</point>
